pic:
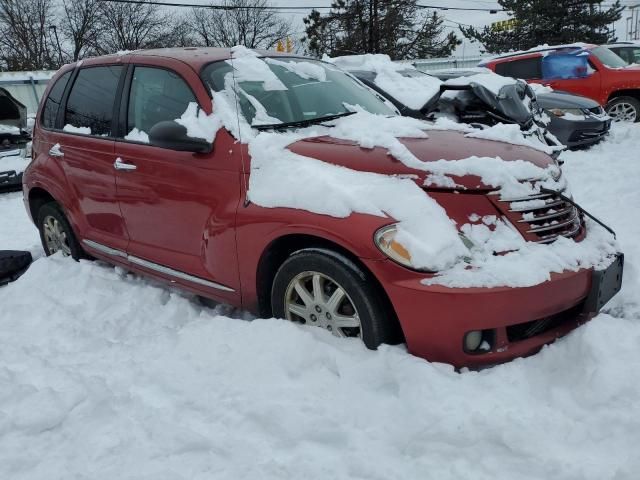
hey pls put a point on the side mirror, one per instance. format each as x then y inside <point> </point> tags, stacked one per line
<point>172,135</point>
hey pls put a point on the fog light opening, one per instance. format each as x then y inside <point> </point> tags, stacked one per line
<point>478,341</point>
<point>472,340</point>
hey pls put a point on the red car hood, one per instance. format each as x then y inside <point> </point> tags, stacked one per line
<point>440,144</point>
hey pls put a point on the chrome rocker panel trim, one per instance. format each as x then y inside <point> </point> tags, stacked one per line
<point>154,266</point>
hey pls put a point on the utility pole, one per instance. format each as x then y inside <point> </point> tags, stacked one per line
<point>55,33</point>
<point>370,47</point>
<point>376,30</point>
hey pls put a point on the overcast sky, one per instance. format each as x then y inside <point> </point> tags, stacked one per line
<point>453,17</point>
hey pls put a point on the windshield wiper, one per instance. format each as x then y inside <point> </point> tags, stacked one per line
<point>301,123</point>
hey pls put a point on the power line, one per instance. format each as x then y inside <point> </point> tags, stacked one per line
<point>290,8</point>
<point>214,7</point>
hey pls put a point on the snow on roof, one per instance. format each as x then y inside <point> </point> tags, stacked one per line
<point>413,91</point>
<point>540,48</point>
<point>490,81</point>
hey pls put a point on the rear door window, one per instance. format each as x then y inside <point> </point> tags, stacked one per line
<point>91,100</point>
<point>527,68</point>
<point>52,104</point>
<point>157,95</point>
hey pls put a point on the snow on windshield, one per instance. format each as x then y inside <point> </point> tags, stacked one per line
<point>248,68</point>
<point>282,178</point>
<point>288,89</point>
<point>306,70</point>
<point>400,80</point>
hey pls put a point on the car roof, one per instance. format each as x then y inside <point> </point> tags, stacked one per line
<point>196,57</point>
<point>541,50</point>
<point>622,44</point>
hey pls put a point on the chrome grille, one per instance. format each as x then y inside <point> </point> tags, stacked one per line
<point>544,217</point>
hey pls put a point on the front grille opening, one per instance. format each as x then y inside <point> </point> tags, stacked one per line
<point>545,217</point>
<point>524,331</point>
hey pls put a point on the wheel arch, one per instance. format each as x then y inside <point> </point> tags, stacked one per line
<point>38,196</point>
<point>282,247</point>
<point>631,92</point>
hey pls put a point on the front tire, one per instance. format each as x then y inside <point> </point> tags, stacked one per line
<point>624,109</point>
<point>325,289</point>
<point>56,233</point>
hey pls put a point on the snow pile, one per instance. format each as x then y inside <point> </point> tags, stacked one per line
<point>413,89</point>
<point>9,129</point>
<point>516,178</point>
<point>73,129</point>
<point>136,135</point>
<point>501,132</point>
<point>248,68</point>
<point>127,379</point>
<point>199,124</point>
<point>501,257</point>
<point>545,49</point>
<point>16,163</point>
<point>603,181</point>
<point>328,189</point>
<point>539,89</point>
<point>306,70</point>
<point>512,133</point>
<point>492,82</point>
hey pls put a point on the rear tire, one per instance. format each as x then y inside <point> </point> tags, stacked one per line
<point>56,233</point>
<point>325,289</point>
<point>624,109</point>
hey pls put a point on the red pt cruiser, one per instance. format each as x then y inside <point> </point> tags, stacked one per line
<point>114,177</point>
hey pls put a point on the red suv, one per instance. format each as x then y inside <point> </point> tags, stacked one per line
<point>113,177</point>
<point>590,70</point>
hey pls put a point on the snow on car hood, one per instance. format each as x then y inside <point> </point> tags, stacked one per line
<point>436,148</point>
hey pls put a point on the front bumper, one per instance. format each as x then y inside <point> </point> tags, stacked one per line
<point>435,318</point>
<point>578,133</point>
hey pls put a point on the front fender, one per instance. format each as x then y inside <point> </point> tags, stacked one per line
<point>258,228</point>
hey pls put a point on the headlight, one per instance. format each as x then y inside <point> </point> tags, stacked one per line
<point>385,239</point>
<point>561,112</point>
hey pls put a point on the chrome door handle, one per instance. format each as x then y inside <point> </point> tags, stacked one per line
<point>55,151</point>
<point>120,165</point>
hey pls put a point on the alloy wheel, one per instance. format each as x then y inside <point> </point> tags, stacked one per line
<point>622,112</point>
<point>316,299</point>
<point>55,237</point>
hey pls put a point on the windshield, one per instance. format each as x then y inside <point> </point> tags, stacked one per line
<point>608,58</point>
<point>293,90</point>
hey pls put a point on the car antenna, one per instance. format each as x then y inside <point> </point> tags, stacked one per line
<point>244,172</point>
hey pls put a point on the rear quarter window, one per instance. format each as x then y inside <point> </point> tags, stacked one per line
<point>527,68</point>
<point>52,103</point>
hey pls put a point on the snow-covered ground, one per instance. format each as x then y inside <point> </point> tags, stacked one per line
<point>105,375</point>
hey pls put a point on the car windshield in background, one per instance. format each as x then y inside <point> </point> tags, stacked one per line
<point>413,73</point>
<point>309,90</point>
<point>608,58</point>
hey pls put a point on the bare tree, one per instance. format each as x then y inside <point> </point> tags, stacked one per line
<point>132,26</point>
<point>25,40</point>
<point>81,26</point>
<point>247,22</point>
